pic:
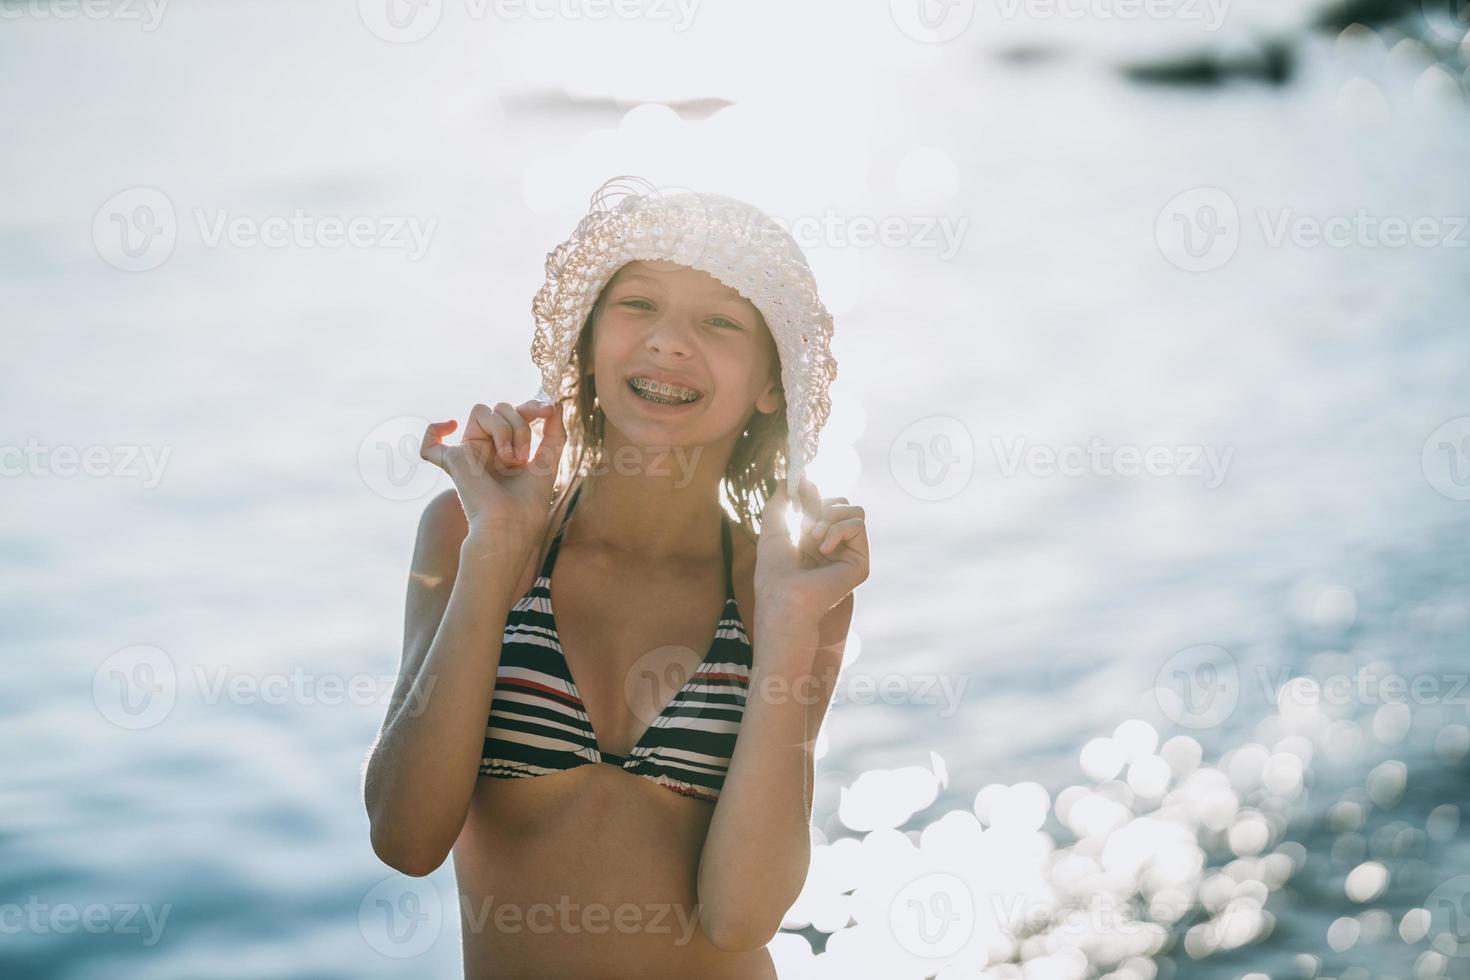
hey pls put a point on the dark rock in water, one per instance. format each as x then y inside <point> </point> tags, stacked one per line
<point>1271,61</point>
<point>549,102</point>
<point>1343,13</point>
<point>1027,54</point>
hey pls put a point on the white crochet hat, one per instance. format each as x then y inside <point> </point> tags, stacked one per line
<point>632,220</point>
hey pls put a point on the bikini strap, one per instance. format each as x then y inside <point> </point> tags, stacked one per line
<point>550,561</point>
<point>728,552</point>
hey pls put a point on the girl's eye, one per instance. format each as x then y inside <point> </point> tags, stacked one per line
<point>643,304</point>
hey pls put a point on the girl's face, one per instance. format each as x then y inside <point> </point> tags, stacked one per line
<point>668,322</point>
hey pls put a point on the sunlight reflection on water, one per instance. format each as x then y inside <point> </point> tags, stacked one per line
<point>1131,753</point>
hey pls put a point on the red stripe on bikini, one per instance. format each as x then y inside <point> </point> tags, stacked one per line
<point>533,686</point>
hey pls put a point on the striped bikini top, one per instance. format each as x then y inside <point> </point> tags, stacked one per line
<point>538,723</point>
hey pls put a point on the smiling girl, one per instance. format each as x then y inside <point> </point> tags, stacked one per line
<point>623,773</point>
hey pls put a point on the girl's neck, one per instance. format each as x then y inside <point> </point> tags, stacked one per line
<point>648,517</point>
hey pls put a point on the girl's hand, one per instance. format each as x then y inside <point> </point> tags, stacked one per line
<point>501,485</point>
<point>827,562</point>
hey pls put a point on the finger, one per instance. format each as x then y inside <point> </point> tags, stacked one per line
<point>553,438</point>
<point>535,411</point>
<point>531,410</point>
<point>811,501</point>
<point>776,506</point>
<point>486,441</point>
<point>520,431</point>
<point>777,497</point>
<point>832,513</point>
<point>850,532</point>
<point>490,427</point>
<point>431,448</point>
<point>481,425</point>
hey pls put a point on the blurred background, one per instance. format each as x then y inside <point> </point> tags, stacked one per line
<point>1153,360</point>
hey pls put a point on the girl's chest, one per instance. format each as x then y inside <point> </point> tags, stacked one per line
<point>633,640</point>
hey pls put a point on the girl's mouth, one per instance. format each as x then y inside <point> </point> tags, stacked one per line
<point>668,395</point>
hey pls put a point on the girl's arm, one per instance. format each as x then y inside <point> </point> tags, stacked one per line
<point>758,848</point>
<point>422,769</point>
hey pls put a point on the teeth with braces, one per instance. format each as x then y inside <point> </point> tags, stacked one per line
<point>671,394</point>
